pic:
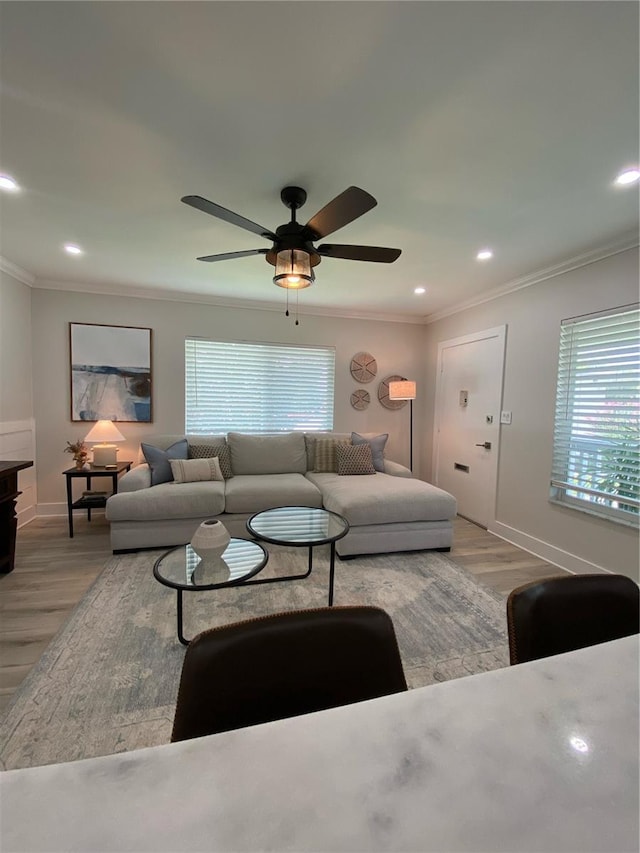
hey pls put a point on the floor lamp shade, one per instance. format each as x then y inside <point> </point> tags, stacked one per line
<point>405,389</point>
<point>102,436</point>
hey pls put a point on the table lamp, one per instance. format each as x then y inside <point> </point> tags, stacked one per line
<point>405,390</point>
<point>104,433</point>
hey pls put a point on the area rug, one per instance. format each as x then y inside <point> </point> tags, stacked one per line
<point>108,681</point>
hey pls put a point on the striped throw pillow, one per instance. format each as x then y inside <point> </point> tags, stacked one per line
<point>196,470</point>
<point>325,455</point>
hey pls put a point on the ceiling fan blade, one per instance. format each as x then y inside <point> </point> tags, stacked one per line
<point>377,254</point>
<point>344,208</point>
<point>227,215</point>
<point>226,256</point>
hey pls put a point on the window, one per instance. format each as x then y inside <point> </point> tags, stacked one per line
<point>596,450</point>
<point>257,387</point>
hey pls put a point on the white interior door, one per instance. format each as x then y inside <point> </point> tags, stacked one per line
<point>467,421</point>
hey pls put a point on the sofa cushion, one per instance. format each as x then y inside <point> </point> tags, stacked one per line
<point>354,459</point>
<point>267,454</point>
<point>168,501</point>
<point>383,499</point>
<point>196,470</point>
<point>325,458</point>
<point>206,451</point>
<point>158,460</point>
<point>254,492</point>
<point>376,442</point>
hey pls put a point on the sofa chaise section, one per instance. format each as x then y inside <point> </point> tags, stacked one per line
<point>388,513</point>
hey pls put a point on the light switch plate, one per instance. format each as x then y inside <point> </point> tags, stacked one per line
<point>505,417</point>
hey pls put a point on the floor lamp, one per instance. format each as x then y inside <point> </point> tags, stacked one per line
<point>405,390</point>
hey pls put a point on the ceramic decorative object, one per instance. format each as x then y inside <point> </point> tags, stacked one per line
<point>210,539</point>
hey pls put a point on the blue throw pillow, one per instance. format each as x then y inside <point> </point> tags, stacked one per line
<point>158,460</point>
<point>377,443</point>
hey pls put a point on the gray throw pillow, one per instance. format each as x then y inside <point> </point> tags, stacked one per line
<point>354,459</point>
<point>158,460</point>
<point>377,443</point>
<point>206,451</point>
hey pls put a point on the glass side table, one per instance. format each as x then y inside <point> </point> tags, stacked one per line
<point>183,570</point>
<point>301,526</point>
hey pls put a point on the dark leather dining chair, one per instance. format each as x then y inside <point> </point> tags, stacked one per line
<point>283,665</point>
<point>568,612</point>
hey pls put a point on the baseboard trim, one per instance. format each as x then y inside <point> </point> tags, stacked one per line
<point>557,556</point>
<point>51,509</point>
<point>26,515</point>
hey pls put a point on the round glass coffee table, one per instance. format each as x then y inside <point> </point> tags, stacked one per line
<point>183,570</point>
<point>300,526</point>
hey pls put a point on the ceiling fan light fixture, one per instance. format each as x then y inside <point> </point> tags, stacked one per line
<point>293,269</point>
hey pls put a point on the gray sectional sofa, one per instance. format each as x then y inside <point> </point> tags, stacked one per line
<point>387,511</point>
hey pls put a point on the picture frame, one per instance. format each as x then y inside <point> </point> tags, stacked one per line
<point>110,373</point>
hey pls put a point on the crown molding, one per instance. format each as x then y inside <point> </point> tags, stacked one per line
<point>621,244</point>
<point>17,272</point>
<point>221,302</point>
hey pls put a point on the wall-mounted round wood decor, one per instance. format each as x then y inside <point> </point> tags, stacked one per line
<point>360,399</point>
<point>363,367</point>
<point>383,393</point>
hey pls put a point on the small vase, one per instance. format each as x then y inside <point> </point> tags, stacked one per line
<point>210,539</point>
<point>80,463</point>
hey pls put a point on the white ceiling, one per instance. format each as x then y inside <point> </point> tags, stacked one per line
<point>474,124</point>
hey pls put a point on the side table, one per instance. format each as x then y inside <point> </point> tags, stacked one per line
<point>88,474</point>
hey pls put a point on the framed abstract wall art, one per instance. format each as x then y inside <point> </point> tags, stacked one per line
<point>110,373</point>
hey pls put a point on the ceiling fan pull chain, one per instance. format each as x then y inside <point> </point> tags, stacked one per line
<point>297,296</point>
<point>286,313</point>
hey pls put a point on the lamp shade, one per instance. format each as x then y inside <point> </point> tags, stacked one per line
<point>293,269</point>
<point>402,390</point>
<point>104,432</point>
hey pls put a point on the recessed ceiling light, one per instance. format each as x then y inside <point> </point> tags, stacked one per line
<point>7,183</point>
<point>629,176</point>
<point>420,290</point>
<point>72,250</point>
<point>484,255</point>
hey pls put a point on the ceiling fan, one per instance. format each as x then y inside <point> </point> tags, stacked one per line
<point>293,253</point>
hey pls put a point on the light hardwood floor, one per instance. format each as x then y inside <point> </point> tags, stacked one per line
<point>53,572</point>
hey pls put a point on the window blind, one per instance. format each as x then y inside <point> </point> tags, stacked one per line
<point>596,450</point>
<point>256,387</point>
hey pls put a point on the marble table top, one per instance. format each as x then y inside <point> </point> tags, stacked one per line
<point>537,757</point>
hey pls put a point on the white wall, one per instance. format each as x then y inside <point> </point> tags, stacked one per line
<point>524,514</point>
<point>17,434</point>
<point>397,347</point>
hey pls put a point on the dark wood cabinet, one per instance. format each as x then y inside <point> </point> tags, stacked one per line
<point>8,519</point>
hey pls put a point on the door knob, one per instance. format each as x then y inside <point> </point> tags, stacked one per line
<point>485,444</point>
